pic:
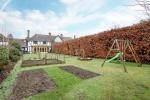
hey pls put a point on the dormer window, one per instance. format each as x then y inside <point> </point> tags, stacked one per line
<point>35,42</point>
<point>44,42</point>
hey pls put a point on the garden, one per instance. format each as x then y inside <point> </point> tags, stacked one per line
<point>95,67</point>
<point>75,80</point>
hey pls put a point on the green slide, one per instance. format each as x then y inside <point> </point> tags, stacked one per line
<point>115,57</point>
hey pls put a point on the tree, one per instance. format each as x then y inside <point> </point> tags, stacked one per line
<point>14,51</point>
<point>15,45</point>
<point>145,4</point>
<point>14,54</point>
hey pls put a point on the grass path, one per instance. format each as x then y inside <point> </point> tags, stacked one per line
<point>64,83</point>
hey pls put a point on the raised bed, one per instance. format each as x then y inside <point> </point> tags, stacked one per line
<point>81,73</point>
<point>30,63</point>
<point>31,82</point>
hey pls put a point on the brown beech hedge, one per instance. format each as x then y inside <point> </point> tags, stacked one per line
<point>98,45</point>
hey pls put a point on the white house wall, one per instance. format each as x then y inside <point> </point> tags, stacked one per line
<point>31,43</point>
<point>57,39</point>
<point>3,43</point>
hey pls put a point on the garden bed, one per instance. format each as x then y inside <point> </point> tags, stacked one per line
<point>30,63</point>
<point>31,82</point>
<point>83,74</point>
<point>6,70</point>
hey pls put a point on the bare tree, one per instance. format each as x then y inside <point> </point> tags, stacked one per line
<point>145,4</point>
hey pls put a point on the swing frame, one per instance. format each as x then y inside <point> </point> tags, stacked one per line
<point>122,46</point>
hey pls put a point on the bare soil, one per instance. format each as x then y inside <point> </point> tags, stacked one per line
<point>6,70</point>
<point>31,82</point>
<point>30,63</point>
<point>83,74</point>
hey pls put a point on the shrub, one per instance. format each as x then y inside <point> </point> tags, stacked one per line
<point>14,51</point>
<point>3,56</point>
<point>15,45</point>
<point>14,54</point>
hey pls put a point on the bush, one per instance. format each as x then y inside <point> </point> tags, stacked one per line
<point>14,51</point>
<point>14,54</point>
<point>3,56</point>
<point>15,45</point>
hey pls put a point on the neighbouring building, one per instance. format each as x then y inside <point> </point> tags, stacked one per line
<point>3,40</point>
<point>43,43</point>
<point>36,43</point>
<point>6,40</point>
<point>23,44</point>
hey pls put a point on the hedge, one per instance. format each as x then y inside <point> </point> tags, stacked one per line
<point>99,44</point>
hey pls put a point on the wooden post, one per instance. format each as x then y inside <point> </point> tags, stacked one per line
<point>122,61</point>
<point>108,53</point>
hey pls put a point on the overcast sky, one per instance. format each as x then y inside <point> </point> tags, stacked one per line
<point>70,17</point>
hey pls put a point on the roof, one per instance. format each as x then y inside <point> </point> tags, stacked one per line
<point>41,37</point>
<point>67,38</point>
<point>10,36</point>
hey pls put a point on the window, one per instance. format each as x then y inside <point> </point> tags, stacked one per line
<point>44,42</point>
<point>35,42</point>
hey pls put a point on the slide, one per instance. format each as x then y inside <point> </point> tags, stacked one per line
<point>115,57</point>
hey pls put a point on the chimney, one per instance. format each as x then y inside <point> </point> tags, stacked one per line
<point>61,35</point>
<point>28,34</point>
<point>27,39</point>
<point>74,36</point>
<point>50,41</point>
<point>50,36</point>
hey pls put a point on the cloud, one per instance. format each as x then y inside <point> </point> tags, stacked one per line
<point>82,7</point>
<point>6,2</point>
<point>39,22</point>
<point>78,12</point>
<point>118,17</point>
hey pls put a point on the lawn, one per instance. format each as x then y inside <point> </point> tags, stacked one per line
<point>112,84</point>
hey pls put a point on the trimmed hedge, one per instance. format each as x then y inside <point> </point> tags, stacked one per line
<point>99,44</point>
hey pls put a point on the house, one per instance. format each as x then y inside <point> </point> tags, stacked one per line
<point>43,43</point>
<point>36,43</point>
<point>3,40</point>
<point>6,40</point>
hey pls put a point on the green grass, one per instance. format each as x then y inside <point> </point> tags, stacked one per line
<point>64,83</point>
<point>113,84</point>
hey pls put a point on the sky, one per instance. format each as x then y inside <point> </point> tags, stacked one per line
<point>68,17</point>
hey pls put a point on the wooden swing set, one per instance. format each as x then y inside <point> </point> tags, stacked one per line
<point>121,47</point>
